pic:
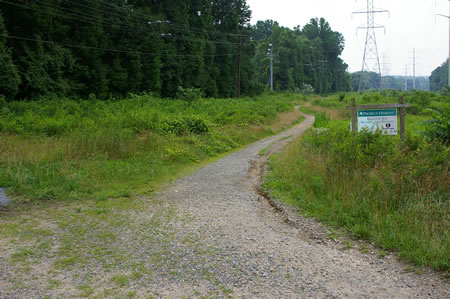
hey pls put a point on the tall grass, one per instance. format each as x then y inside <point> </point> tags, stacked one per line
<point>390,192</point>
<point>73,149</point>
<point>418,100</point>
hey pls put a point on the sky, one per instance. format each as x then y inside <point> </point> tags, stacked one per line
<point>412,29</point>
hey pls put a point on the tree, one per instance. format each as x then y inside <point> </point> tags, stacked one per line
<point>112,48</point>
<point>439,77</point>
<point>9,77</point>
<point>308,56</point>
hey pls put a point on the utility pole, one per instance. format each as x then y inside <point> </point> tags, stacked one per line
<point>271,66</point>
<point>321,68</point>
<point>386,66</point>
<point>406,78</point>
<point>239,70</point>
<point>414,68</point>
<point>370,49</point>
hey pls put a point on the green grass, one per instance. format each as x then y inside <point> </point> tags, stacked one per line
<point>86,191</point>
<point>378,188</point>
<point>120,280</point>
<point>67,149</point>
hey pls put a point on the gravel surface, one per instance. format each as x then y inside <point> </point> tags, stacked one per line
<point>210,234</point>
<point>262,253</point>
<point>3,199</point>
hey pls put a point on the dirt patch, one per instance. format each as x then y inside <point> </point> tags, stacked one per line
<point>286,119</point>
<point>333,114</point>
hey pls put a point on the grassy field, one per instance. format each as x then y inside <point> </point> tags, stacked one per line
<point>82,173</point>
<point>66,149</point>
<point>393,193</point>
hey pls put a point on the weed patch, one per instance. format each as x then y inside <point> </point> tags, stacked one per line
<point>89,149</point>
<point>390,192</point>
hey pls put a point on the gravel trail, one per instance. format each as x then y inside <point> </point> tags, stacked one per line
<point>257,254</point>
<point>209,235</point>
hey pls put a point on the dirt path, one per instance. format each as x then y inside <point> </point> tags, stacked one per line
<point>258,255</point>
<point>210,234</point>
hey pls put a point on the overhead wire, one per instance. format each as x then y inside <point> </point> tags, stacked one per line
<point>435,62</point>
<point>85,19</point>
<point>179,25</point>
<point>113,50</point>
<point>429,32</point>
<point>92,19</point>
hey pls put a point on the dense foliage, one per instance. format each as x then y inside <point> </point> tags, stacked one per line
<point>112,48</point>
<point>302,56</point>
<point>439,77</point>
<point>67,149</point>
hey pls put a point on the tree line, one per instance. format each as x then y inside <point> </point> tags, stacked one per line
<point>373,80</point>
<point>77,48</point>
<point>439,77</point>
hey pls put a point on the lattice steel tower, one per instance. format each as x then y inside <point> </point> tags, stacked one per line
<point>371,60</point>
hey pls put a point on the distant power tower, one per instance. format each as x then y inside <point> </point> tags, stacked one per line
<point>371,60</point>
<point>386,70</point>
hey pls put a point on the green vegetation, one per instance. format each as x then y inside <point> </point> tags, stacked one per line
<point>66,149</point>
<point>439,77</point>
<point>307,59</point>
<point>373,81</point>
<point>55,48</point>
<point>379,188</point>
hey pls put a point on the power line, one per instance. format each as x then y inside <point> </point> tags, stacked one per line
<point>89,20</point>
<point>92,19</point>
<point>113,50</point>
<point>145,19</point>
<point>191,29</point>
<point>429,31</point>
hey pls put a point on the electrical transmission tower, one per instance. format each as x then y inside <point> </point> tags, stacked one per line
<point>371,60</point>
<point>386,70</point>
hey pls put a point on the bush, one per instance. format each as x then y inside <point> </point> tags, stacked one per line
<point>307,89</point>
<point>374,185</point>
<point>438,128</point>
<point>189,94</point>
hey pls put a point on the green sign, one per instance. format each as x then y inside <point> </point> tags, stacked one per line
<point>384,120</point>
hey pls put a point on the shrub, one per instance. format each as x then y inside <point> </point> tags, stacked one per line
<point>438,128</point>
<point>307,89</point>
<point>189,94</point>
<point>374,186</point>
<point>196,125</point>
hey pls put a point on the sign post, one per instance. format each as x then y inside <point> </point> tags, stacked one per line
<point>382,117</point>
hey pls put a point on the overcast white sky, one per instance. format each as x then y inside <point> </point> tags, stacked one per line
<point>411,24</point>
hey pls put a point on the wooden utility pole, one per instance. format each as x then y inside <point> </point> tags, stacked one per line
<point>354,116</point>
<point>406,78</point>
<point>414,68</point>
<point>239,69</point>
<point>402,119</point>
